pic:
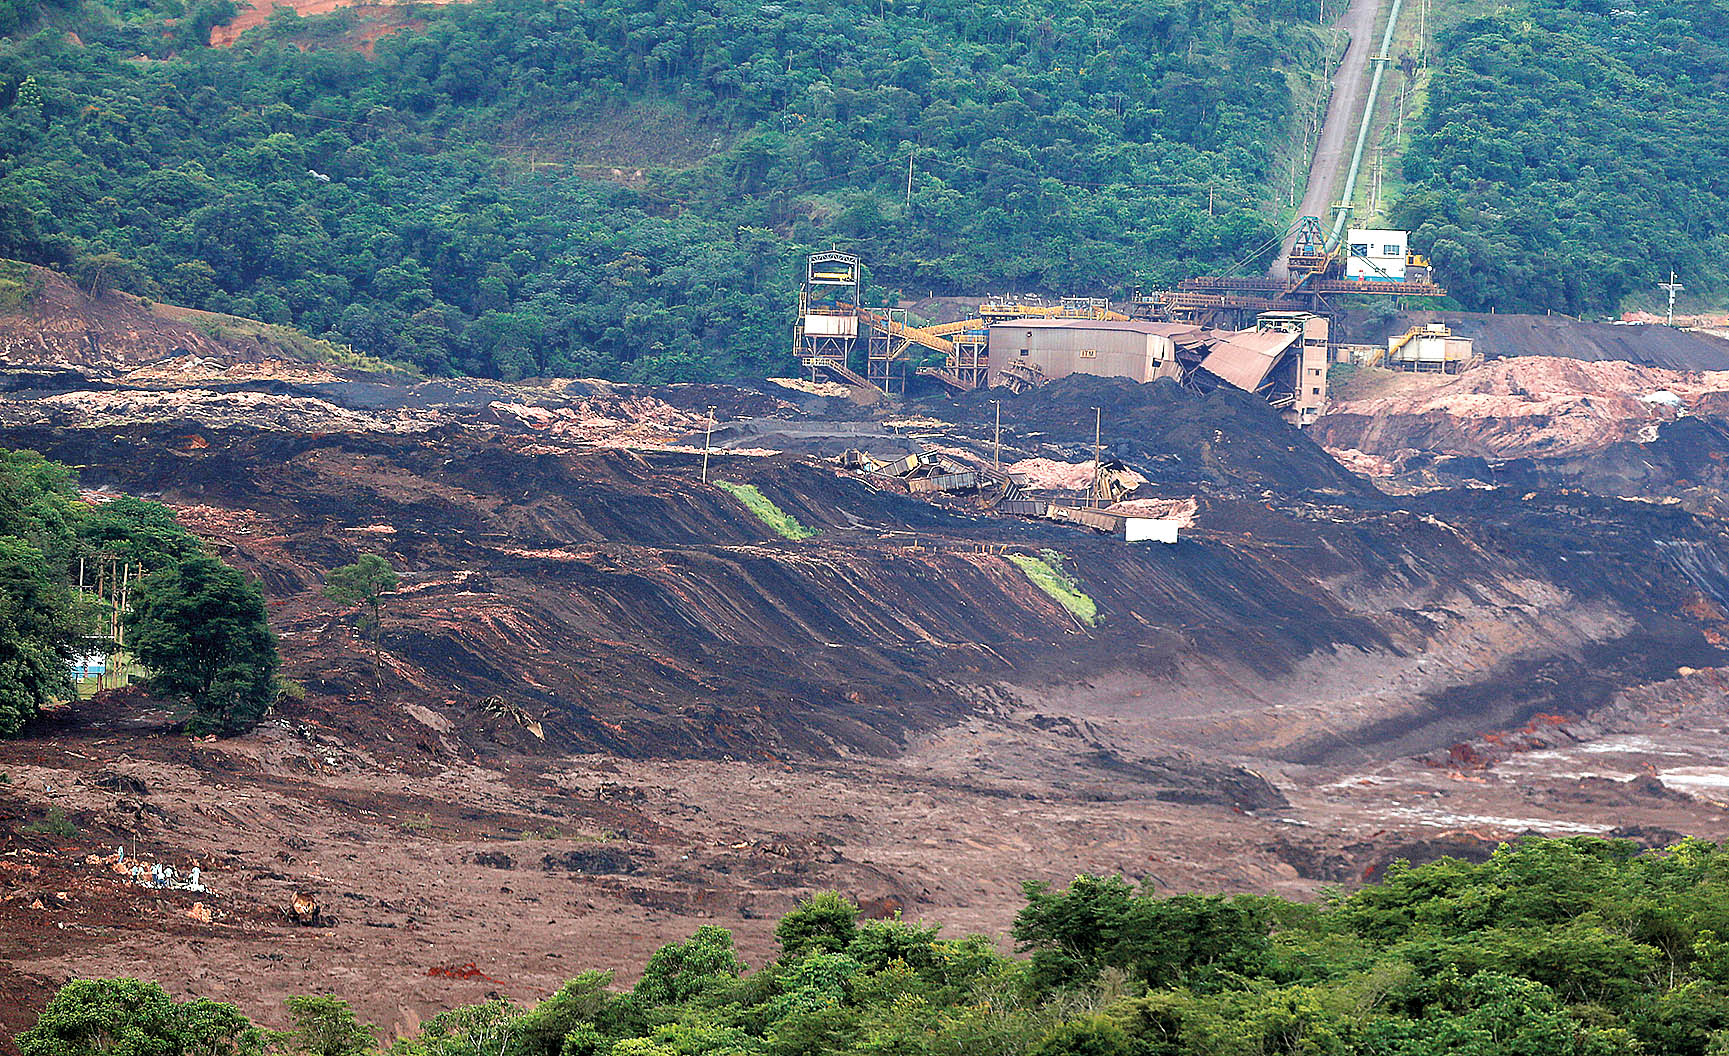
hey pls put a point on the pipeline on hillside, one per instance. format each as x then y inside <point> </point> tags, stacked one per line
<point>1343,208</point>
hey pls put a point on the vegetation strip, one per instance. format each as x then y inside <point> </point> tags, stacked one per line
<point>1048,575</point>
<point>766,511</point>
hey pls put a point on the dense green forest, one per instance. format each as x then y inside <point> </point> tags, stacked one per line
<point>1573,152</point>
<point>438,202</point>
<point>1574,947</point>
<point>196,623</point>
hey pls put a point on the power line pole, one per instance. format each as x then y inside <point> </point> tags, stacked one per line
<point>1423,33</point>
<point>1673,287</point>
<point>997,458</point>
<point>706,434</point>
<point>1098,447</point>
<point>910,154</point>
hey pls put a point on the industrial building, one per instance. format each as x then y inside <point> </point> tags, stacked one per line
<point>1265,335</point>
<point>1038,350</point>
<point>1319,267</point>
<point>1432,348</point>
<point>1282,359</point>
<point>1376,255</point>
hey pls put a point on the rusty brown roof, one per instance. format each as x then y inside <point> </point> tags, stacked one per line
<point>1245,359</point>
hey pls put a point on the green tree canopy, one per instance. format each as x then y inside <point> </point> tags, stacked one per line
<point>1571,154</point>
<point>40,630</point>
<point>326,1026</point>
<point>826,922</point>
<point>1571,947</point>
<point>365,583</point>
<point>134,530</point>
<point>630,197</point>
<point>126,1017</point>
<point>200,628</point>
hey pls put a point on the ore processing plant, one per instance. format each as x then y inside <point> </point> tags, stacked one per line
<point>1269,335</point>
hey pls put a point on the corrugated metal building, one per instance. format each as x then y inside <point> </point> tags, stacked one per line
<point>1060,347</point>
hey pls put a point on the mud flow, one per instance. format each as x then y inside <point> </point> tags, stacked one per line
<point>614,702</point>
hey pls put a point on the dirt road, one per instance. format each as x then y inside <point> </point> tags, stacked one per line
<point>1350,81</point>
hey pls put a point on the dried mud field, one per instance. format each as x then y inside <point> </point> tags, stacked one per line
<point>446,883</point>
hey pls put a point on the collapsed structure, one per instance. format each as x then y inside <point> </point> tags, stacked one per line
<point>1265,335</point>
<point>1282,358</point>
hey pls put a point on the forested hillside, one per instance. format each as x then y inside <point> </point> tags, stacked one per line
<point>1573,152</point>
<point>1552,948</point>
<point>437,202</point>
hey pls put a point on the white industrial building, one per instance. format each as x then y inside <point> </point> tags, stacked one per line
<point>1376,255</point>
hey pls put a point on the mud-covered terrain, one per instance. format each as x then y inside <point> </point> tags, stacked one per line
<point>614,703</point>
<point>1540,422</point>
<point>1503,335</point>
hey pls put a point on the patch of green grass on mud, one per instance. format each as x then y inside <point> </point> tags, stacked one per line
<point>766,511</point>
<point>1046,572</point>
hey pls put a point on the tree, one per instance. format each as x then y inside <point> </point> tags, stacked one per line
<point>127,1017</point>
<point>542,1032</point>
<point>38,635</point>
<point>326,1026</point>
<point>1091,1037</point>
<point>1102,923</point>
<point>470,1030</point>
<point>98,273</point>
<point>825,922</point>
<point>143,533</point>
<point>364,583</point>
<point>200,628</point>
<point>39,630</point>
<point>683,970</point>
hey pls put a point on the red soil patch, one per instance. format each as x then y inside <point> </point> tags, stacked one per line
<point>377,20</point>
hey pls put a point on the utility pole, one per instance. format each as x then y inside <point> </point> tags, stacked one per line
<point>1376,205</point>
<point>910,154</point>
<point>1423,33</point>
<point>706,434</point>
<point>997,458</point>
<point>1673,287</point>
<point>1098,447</point>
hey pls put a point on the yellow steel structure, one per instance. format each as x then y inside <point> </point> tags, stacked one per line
<point>908,334</point>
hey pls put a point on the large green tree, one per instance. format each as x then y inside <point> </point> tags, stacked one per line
<point>40,630</point>
<point>127,1017</point>
<point>326,1026</point>
<point>200,627</point>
